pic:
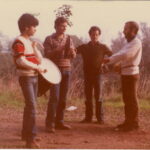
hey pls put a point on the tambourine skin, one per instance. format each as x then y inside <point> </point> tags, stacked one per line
<point>52,74</point>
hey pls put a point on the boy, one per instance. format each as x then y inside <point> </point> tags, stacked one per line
<point>27,58</point>
<point>92,54</point>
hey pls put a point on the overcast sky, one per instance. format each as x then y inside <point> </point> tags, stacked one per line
<point>110,16</point>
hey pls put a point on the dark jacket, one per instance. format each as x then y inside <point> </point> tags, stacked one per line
<point>93,56</point>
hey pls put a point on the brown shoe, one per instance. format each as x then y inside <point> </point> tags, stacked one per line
<point>32,144</point>
<point>62,126</point>
<point>50,129</point>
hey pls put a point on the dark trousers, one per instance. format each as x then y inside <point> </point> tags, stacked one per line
<point>93,84</point>
<point>57,101</point>
<point>29,87</point>
<point>129,89</point>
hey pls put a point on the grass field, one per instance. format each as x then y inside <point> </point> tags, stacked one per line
<point>14,99</point>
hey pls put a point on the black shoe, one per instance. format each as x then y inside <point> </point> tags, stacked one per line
<point>127,127</point>
<point>62,126</point>
<point>131,128</point>
<point>86,121</point>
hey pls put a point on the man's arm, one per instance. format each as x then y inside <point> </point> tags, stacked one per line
<point>72,49</point>
<point>126,53</point>
<point>108,52</point>
<point>79,49</point>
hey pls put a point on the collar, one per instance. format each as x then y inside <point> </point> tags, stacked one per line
<point>91,44</point>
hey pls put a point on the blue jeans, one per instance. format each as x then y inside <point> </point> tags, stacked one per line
<point>93,84</point>
<point>57,101</point>
<point>29,87</point>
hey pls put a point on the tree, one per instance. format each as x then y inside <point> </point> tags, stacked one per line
<point>145,37</point>
<point>4,43</point>
<point>64,11</point>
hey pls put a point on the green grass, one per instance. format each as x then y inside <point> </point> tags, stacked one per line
<point>115,102</point>
<point>10,99</point>
<point>144,103</point>
<point>15,100</point>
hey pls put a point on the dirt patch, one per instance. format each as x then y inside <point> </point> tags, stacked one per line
<point>81,135</point>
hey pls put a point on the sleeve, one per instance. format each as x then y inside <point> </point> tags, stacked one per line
<point>22,61</point>
<point>18,48</point>
<point>108,52</point>
<point>127,52</point>
<point>79,49</point>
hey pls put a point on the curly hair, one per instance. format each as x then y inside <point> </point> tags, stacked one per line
<point>60,20</point>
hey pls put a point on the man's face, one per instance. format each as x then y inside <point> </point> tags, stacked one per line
<point>129,32</point>
<point>94,35</point>
<point>61,28</point>
<point>31,30</point>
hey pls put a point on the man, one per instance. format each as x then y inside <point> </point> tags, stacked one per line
<point>60,49</point>
<point>130,57</point>
<point>93,54</point>
<point>27,57</point>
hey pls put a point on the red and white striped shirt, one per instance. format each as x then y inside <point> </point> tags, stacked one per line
<point>26,56</point>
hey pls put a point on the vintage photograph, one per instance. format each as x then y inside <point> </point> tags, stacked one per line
<point>74,74</point>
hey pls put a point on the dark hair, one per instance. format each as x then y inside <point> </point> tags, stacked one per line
<point>27,20</point>
<point>94,28</point>
<point>133,25</point>
<point>60,20</point>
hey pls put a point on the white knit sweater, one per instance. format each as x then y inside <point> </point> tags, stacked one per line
<point>129,56</point>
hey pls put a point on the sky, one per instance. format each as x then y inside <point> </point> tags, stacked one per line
<point>110,16</point>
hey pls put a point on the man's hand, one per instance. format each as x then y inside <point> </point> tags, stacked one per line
<point>105,60</point>
<point>104,68</point>
<point>34,44</point>
<point>117,68</point>
<point>41,70</point>
<point>73,53</point>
